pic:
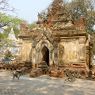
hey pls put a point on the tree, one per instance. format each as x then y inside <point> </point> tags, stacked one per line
<point>4,6</point>
<point>8,54</point>
<point>12,22</point>
<point>12,25</point>
<point>85,8</point>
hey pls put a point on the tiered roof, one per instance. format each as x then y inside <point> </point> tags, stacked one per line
<point>58,20</point>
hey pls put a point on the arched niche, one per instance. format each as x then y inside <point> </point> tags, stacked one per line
<point>44,46</point>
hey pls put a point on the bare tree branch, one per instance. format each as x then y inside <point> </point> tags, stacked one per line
<point>4,6</point>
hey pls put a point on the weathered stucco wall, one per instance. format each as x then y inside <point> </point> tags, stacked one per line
<point>25,51</point>
<point>72,50</point>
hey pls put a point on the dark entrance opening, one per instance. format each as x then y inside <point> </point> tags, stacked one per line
<point>45,53</point>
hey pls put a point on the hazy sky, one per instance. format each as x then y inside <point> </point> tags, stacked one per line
<point>28,9</point>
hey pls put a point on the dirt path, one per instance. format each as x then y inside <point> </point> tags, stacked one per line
<point>43,85</point>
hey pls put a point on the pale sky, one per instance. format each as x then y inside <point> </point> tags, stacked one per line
<point>28,9</point>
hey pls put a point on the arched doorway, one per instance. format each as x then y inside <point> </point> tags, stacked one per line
<point>45,55</point>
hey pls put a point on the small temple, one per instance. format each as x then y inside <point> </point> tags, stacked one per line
<point>56,39</point>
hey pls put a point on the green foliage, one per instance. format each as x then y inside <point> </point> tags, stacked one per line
<point>5,42</point>
<point>6,31</point>
<point>8,54</point>
<point>16,21</point>
<point>4,18</point>
<point>16,31</point>
<point>33,25</point>
<point>85,8</point>
<point>11,22</point>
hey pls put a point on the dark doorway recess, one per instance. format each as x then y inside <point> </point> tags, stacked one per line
<point>45,53</point>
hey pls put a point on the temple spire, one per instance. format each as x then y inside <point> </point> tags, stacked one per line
<point>56,6</point>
